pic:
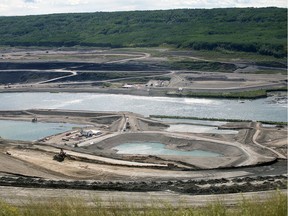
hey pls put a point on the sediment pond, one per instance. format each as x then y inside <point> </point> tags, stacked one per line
<point>28,131</point>
<point>151,148</point>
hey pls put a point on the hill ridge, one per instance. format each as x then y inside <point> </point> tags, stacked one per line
<point>261,30</point>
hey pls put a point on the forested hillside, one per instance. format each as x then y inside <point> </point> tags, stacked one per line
<point>262,30</point>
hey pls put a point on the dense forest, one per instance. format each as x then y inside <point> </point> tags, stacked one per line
<point>259,30</point>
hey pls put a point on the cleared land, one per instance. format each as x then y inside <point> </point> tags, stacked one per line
<point>140,73</point>
<point>93,159</point>
<point>254,159</point>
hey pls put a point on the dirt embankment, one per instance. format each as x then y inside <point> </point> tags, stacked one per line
<point>196,187</point>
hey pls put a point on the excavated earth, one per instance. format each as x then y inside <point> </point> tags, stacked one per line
<point>254,159</point>
<point>247,163</point>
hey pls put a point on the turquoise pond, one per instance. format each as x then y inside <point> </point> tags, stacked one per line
<point>153,148</point>
<point>28,131</point>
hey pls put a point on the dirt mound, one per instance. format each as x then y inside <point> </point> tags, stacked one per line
<point>212,186</point>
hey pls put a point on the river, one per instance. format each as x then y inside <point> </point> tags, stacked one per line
<point>273,108</point>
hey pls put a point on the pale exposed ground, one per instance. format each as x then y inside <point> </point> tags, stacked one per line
<point>29,159</point>
<point>178,80</point>
<point>210,80</point>
<point>96,56</point>
<point>190,80</point>
<point>107,165</point>
<point>261,146</point>
<point>84,170</point>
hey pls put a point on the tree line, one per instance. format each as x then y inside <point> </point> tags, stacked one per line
<point>258,30</point>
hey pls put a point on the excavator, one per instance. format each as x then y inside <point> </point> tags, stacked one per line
<point>60,156</point>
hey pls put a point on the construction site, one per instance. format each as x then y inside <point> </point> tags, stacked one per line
<point>87,154</point>
<point>129,153</point>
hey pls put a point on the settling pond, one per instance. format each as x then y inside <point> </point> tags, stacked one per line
<point>273,108</point>
<point>28,131</point>
<point>151,148</point>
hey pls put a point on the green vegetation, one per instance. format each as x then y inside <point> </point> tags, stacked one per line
<point>222,55</point>
<point>106,84</point>
<point>231,95</point>
<point>253,94</point>
<point>271,64</point>
<point>275,123</point>
<point>101,76</point>
<point>285,89</point>
<point>215,119</point>
<point>283,72</point>
<point>256,30</point>
<point>275,205</point>
<point>202,66</point>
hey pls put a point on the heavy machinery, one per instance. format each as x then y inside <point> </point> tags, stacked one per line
<point>60,156</point>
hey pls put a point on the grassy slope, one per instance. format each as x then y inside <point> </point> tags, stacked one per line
<point>275,205</point>
<point>262,30</point>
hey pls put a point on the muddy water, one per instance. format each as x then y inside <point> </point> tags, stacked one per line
<point>272,108</point>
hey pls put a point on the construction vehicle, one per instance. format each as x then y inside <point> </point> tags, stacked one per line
<point>60,156</point>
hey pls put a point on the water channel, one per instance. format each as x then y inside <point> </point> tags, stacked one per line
<point>271,108</point>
